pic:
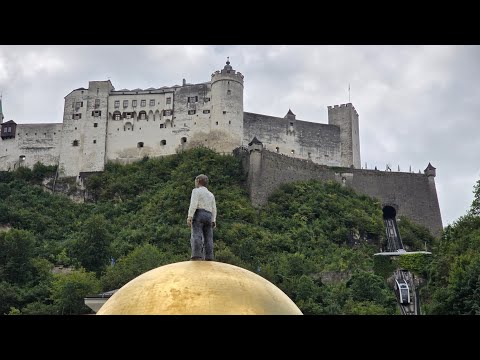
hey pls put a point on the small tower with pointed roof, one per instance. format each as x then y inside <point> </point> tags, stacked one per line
<point>255,145</point>
<point>430,171</point>
<point>290,122</point>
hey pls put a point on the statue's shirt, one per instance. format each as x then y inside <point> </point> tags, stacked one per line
<point>202,199</point>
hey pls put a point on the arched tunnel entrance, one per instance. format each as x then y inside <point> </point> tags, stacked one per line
<point>394,241</point>
<point>389,212</point>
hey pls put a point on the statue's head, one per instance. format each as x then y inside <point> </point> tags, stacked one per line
<point>201,180</point>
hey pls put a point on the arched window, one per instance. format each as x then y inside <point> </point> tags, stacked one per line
<point>140,144</point>
<point>183,140</point>
<point>117,115</point>
<point>142,115</point>
<point>278,149</point>
<point>163,142</point>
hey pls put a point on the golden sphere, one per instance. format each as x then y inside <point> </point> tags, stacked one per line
<point>199,288</point>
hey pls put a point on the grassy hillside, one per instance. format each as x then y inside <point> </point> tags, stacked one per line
<point>313,240</point>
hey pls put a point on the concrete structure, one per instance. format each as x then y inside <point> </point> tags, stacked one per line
<point>102,124</point>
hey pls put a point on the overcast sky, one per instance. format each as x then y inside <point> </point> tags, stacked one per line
<point>417,104</point>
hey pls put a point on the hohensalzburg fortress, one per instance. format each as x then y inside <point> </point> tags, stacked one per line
<point>102,124</point>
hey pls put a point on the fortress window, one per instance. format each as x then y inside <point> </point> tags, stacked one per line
<point>75,129</point>
<point>169,100</point>
<point>75,143</point>
<point>140,145</point>
<point>224,112</point>
<point>163,142</point>
<point>192,99</point>
<point>183,140</point>
<point>73,104</point>
<point>95,124</point>
<point>229,92</point>
<point>278,149</point>
<point>117,104</point>
<point>229,121</point>
<point>142,115</point>
<point>293,151</point>
<point>117,116</point>
<point>206,111</point>
<point>134,103</point>
<point>143,103</point>
<point>309,155</point>
<point>77,116</point>
<point>152,102</point>
<point>291,124</point>
<point>9,129</point>
<point>94,141</point>
<point>96,113</point>
<point>167,112</point>
<point>191,112</point>
<point>78,104</point>
<point>128,115</point>
<point>162,126</point>
<point>97,103</point>
<point>207,99</point>
<point>125,103</point>
<point>216,122</point>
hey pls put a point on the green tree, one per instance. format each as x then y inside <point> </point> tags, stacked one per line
<point>140,260</point>
<point>9,297</point>
<point>475,207</point>
<point>92,243</point>
<point>369,287</point>
<point>69,290</point>
<point>16,251</point>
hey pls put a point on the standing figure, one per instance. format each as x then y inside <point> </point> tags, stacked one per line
<point>201,218</point>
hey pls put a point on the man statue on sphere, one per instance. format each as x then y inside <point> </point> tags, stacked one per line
<point>202,215</point>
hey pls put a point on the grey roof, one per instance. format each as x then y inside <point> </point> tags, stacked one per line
<point>430,167</point>
<point>151,88</point>
<point>255,141</point>
<point>290,112</point>
<point>105,294</point>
